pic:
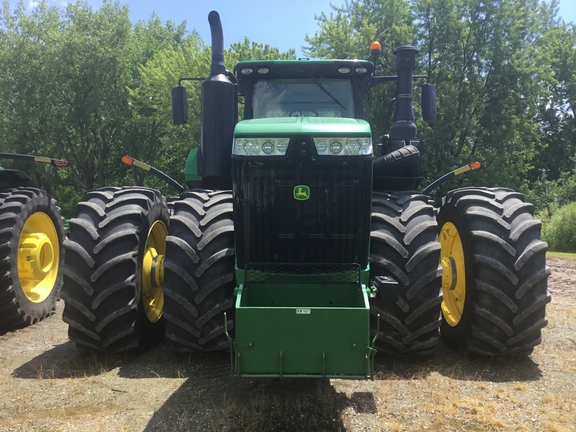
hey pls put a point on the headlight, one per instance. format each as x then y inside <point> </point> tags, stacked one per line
<point>343,146</point>
<point>335,147</point>
<point>260,146</point>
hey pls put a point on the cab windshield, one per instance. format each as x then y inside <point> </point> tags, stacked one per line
<point>303,98</point>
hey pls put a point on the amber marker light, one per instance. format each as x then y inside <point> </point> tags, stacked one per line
<point>375,48</point>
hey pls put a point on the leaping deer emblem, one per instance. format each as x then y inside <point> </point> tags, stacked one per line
<point>301,193</point>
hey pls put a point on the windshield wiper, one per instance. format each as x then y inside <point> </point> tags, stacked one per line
<point>321,87</point>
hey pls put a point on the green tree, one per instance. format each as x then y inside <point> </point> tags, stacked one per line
<point>247,50</point>
<point>557,112</point>
<point>483,56</point>
<point>65,77</point>
<point>26,114</point>
<point>165,145</point>
<point>65,93</point>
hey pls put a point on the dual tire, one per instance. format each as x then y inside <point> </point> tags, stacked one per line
<point>127,282</point>
<point>494,272</point>
<point>114,269</point>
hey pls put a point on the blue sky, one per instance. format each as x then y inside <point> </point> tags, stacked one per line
<point>281,24</point>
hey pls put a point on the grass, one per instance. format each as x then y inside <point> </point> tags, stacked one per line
<point>566,255</point>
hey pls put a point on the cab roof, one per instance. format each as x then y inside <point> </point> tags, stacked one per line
<point>328,69</point>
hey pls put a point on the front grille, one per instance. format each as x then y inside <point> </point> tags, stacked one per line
<point>332,226</point>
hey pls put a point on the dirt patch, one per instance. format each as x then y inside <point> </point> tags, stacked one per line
<point>47,384</point>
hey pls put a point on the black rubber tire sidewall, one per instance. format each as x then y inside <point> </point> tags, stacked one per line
<point>409,322</point>
<point>199,291</point>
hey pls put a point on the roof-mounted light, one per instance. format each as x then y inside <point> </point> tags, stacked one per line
<point>375,49</point>
<point>246,71</point>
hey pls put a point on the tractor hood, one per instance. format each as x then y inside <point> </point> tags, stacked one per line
<point>315,126</point>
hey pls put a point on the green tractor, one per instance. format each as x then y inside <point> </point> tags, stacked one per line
<point>31,247</point>
<point>301,245</point>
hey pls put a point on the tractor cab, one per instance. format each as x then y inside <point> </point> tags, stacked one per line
<point>303,88</point>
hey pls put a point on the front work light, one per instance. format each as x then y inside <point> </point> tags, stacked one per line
<point>343,146</point>
<point>260,146</point>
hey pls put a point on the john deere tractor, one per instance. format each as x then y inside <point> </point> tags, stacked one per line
<point>302,244</point>
<point>31,247</point>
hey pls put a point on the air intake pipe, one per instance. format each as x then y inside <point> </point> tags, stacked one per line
<point>403,147</point>
<point>219,115</point>
<point>403,127</point>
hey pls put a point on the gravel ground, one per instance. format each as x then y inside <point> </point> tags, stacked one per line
<point>47,384</point>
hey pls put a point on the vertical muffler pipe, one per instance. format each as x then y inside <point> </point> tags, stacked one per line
<point>403,127</point>
<point>219,115</point>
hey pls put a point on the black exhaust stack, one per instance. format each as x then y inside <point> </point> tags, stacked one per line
<point>219,116</point>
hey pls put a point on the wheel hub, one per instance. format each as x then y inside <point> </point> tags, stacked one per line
<point>153,271</point>
<point>453,274</point>
<point>449,275</point>
<point>38,257</point>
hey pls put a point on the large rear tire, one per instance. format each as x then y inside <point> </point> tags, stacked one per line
<point>494,272</point>
<point>199,271</point>
<point>404,248</point>
<point>31,253</point>
<point>114,268</point>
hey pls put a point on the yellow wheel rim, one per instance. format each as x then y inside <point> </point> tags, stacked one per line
<point>453,274</point>
<point>153,271</point>
<point>38,257</point>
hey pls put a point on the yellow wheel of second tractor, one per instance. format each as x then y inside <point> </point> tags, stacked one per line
<point>38,257</point>
<point>31,252</point>
<point>453,273</point>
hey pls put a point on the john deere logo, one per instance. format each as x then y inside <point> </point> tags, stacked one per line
<point>301,192</point>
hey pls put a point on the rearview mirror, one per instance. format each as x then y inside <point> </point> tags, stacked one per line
<point>179,105</point>
<point>429,103</point>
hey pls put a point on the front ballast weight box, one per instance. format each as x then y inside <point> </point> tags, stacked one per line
<point>302,321</point>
